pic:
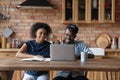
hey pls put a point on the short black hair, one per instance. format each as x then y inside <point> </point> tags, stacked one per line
<point>73,28</point>
<point>39,25</point>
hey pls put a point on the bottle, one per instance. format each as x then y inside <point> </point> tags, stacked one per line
<point>114,43</point>
<point>13,43</point>
<point>94,3</point>
<point>8,42</point>
<point>16,43</point>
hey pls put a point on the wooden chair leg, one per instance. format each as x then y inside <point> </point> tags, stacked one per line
<point>6,75</point>
<point>22,74</point>
<point>110,76</point>
<point>0,78</point>
<point>106,75</point>
<point>85,73</point>
<point>51,75</point>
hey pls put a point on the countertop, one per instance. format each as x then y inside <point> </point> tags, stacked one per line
<point>10,49</point>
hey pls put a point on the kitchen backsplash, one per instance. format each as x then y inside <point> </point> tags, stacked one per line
<point>21,21</point>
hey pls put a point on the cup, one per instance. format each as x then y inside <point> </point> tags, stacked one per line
<point>83,56</point>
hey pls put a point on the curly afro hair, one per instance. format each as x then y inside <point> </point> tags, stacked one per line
<point>37,26</point>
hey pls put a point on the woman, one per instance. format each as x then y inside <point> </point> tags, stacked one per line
<point>38,47</point>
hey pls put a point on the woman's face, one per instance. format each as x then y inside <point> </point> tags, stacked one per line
<point>69,37</point>
<point>41,35</point>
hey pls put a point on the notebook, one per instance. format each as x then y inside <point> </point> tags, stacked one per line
<point>62,52</point>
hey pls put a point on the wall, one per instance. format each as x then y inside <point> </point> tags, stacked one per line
<point>21,20</point>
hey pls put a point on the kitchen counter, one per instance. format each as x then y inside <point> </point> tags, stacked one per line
<point>114,52</point>
<point>11,52</point>
<point>107,51</point>
<point>10,49</point>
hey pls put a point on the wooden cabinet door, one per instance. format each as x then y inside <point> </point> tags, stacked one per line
<point>68,11</point>
<point>109,11</point>
<point>88,11</point>
<point>81,11</point>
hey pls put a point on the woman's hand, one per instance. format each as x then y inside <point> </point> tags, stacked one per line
<point>38,56</point>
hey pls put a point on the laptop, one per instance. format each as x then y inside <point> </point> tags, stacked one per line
<point>62,52</point>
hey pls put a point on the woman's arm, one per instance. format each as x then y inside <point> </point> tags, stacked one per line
<point>21,52</point>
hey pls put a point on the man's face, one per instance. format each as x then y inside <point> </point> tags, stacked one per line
<point>69,37</point>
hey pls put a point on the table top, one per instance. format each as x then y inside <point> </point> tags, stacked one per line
<point>16,49</point>
<point>89,65</point>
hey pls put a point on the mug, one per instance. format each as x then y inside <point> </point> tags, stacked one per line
<point>83,56</point>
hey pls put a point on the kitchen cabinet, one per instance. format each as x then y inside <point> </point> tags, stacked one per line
<point>88,11</point>
<point>10,53</point>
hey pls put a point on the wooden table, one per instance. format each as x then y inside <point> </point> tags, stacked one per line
<point>90,65</point>
<point>7,64</point>
<point>10,53</point>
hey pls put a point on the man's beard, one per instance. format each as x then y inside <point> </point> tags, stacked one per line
<point>68,41</point>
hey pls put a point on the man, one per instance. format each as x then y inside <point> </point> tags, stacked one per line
<point>70,34</point>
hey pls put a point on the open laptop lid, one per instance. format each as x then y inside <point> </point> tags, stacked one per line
<point>62,52</point>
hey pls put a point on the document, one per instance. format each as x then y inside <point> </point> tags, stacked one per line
<point>35,59</point>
